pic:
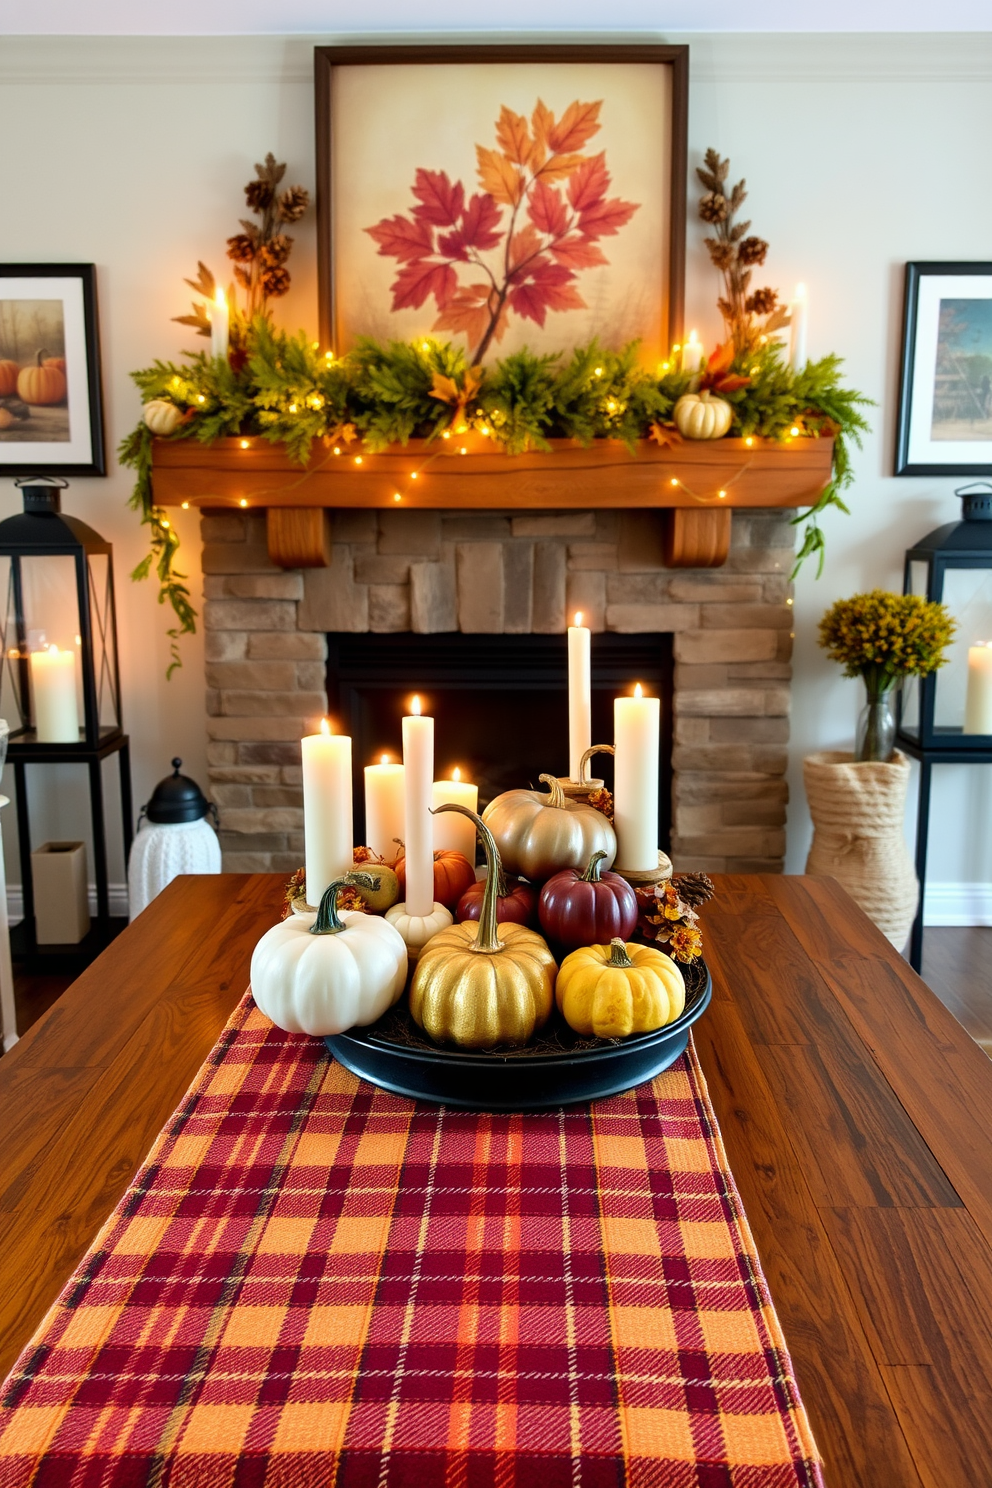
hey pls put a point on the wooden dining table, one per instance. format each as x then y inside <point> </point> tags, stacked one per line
<point>856,1113</point>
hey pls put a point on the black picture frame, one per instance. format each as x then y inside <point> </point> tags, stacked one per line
<point>329,59</point>
<point>88,439</point>
<point>920,330</point>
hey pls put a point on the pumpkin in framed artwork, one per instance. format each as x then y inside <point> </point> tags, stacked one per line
<point>41,383</point>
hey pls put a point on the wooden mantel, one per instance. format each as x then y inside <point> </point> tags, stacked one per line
<point>696,484</point>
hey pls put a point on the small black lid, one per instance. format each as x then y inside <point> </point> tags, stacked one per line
<point>177,798</point>
<point>976,501</point>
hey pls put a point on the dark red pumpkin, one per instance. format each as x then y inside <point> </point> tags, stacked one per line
<point>516,902</point>
<point>453,874</point>
<point>591,908</point>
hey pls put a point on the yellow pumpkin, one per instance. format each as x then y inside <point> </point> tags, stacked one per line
<point>162,417</point>
<point>41,384</point>
<point>538,835</point>
<point>701,416</point>
<point>479,984</point>
<point>615,990</point>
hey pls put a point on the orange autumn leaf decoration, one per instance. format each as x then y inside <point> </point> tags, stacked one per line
<point>521,240</point>
<point>446,390</point>
<point>665,435</point>
<point>717,376</point>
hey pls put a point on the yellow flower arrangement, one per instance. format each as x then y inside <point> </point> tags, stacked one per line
<point>885,637</point>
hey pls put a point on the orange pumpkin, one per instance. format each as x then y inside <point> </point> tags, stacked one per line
<point>452,875</point>
<point>8,378</point>
<point>40,383</point>
<point>54,362</point>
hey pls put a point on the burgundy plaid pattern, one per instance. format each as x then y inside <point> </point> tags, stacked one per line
<point>314,1284</point>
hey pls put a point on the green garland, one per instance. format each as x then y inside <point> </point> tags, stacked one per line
<point>282,388</point>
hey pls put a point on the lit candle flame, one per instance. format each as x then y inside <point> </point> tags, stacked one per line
<point>456,774</point>
<point>384,759</point>
<point>693,338</point>
<point>638,690</point>
<point>220,299</point>
<point>578,617</point>
<point>325,727</point>
<point>53,650</point>
<point>415,705</point>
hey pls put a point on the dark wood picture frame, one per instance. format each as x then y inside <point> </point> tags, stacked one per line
<point>329,58</point>
<point>97,463</point>
<point>916,273</point>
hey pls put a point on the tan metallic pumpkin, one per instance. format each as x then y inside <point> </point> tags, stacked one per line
<point>615,990</point>
<point>539,835</point>
<point>701,416</point>
<point>482,984</point>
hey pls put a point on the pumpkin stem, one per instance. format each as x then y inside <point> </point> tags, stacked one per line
<point>40,358</point>
<point>487,939</point>
<point>327,921</point>
<point>556,796</point>
<point>583,762</point>
<point>618,953</point>
<point>593,868</point>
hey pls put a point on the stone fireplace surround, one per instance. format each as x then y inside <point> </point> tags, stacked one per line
<point>496,572</point>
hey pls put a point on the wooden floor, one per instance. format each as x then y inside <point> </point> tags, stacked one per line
<point>957,965</point>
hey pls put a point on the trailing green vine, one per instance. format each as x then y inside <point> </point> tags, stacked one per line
<point>284,389</point>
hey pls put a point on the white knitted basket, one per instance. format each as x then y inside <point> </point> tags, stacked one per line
<point>858,809</point>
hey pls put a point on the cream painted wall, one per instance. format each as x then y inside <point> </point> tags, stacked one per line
<point>861,152</point>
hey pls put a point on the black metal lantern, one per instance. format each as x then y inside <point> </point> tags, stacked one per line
<point>60,669</point>
<point>946,718</point>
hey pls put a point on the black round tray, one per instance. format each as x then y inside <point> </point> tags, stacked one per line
<point>557,1068</point>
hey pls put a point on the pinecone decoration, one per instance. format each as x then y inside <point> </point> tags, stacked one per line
<point>601,800</point>
<point>694,889</point>
<point>293,203</point>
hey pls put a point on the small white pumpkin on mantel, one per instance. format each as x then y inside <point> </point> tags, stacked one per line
<point>701,416</point>
<point>162,417</point>
<point>322,973</point>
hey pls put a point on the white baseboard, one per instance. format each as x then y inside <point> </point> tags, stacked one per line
<point>958,904</point>
<point>117,894</point>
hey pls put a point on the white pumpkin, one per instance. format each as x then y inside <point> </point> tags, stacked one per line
<point>322,972</point>
<point>701,416</point>
<point>161,416</point>
<point>416,930</point>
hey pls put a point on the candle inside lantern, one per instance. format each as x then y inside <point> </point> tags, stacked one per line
<point>384,807</point>
<point>220,327</point>
<point>418,832</point>
<point>692,354</point>
<point>53,688</point>
<point>328,830</point>
<point>452,831</point>
<point>797,328</point>
<point>579,695</point>
<point>637,725</point>
<point>978,703</point>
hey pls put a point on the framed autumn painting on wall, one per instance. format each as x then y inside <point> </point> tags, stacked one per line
<point>501,197</point>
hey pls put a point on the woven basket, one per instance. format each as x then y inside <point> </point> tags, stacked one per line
<point>858,811</point>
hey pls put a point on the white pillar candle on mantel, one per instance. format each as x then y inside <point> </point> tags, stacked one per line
<point>579,695</point>
<point>385,806</point>
<point>636,737</point>
<point>978,703</point>
<point>692,354</point>
<point>220,326</point>
<point>452,831</point>
<point>797,328</point>
<point>328,829</point>
<point>53,688</point>
<point>418,832</point>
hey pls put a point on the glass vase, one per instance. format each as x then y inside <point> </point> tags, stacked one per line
<point>876,735</point>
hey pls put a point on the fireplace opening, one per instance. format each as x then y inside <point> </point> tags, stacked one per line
<point>500,703</point>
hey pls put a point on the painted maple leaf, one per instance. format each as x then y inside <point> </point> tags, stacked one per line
<point>524,237</point>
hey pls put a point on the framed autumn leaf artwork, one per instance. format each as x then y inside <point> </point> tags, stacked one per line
<point>502,197</point>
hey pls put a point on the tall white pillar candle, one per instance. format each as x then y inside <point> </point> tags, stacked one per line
<point>579,695</point>
<point>328,829</point>
<point>384,807</point>
<point>452,831</point>
<point>220,329</point>
<point>637,729</point>
<point>418,835</point>
<point>978,703</point>
<point>692,354</point>
<point>797,328</point>
<point>53,687</point>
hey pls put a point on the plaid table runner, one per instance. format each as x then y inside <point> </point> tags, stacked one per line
<point>314,1284</point>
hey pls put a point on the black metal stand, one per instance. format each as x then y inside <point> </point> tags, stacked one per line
<point>24,750</point>
<point>945,755</point>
